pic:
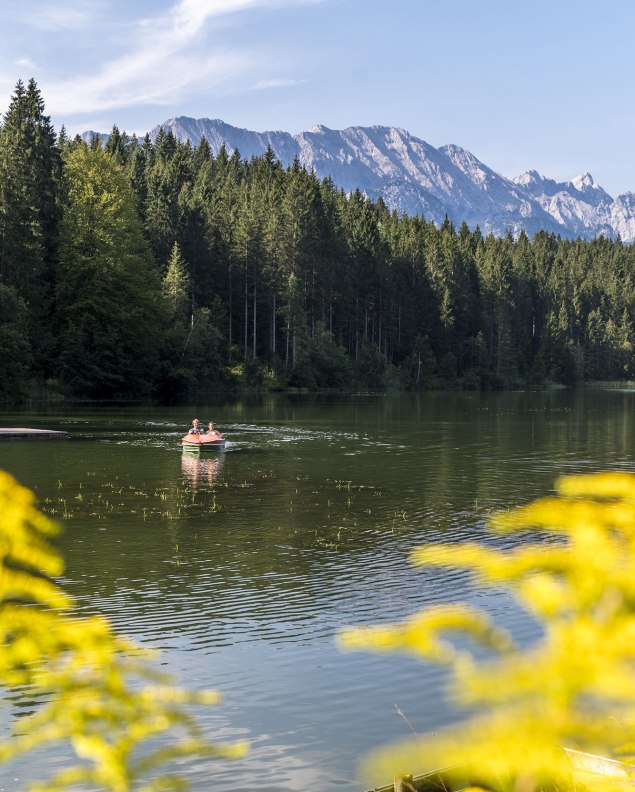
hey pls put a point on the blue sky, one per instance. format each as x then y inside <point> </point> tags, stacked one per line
<point>544,85</point>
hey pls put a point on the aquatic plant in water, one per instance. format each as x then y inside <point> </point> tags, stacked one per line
<point>573,688</point>
<point>101,694</point>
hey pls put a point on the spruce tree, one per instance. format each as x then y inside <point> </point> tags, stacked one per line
<point>117,146</point>
<point>176,286</point>
<point>30,182</point>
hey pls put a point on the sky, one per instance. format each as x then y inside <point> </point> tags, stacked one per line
<point>522,85</point>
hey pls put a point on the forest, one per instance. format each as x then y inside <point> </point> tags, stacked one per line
<point>151,269</point>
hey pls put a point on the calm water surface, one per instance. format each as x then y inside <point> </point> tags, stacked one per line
<point>242,566</point>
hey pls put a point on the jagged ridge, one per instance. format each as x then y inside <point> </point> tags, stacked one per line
<point>414,177</point>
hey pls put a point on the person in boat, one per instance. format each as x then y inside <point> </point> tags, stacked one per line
<point>196,429</point>
<point>210,428</point>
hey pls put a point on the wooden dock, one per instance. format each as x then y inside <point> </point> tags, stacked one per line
<point>587,768</point>
<point>428,782</point>
<point>7,433</point>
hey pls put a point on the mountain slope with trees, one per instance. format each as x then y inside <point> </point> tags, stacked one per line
<point>156,268</point>
<point>414,177</point>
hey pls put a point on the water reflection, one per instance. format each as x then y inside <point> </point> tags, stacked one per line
<point>242,566</point>
<point>200,471</point>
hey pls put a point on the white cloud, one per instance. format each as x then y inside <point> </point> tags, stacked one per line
<point>26,62</point>
<point>274,83</point>
<point>53,17</point>
<point>137,80</point>
<point>165,56</point>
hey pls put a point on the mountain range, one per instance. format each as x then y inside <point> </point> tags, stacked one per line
<point>414,177</point>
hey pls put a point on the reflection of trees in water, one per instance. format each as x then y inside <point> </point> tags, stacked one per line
<point>199,471</point>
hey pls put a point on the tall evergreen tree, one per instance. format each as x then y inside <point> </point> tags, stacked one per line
<point>117,146</point>
<point>176,286</point>
<point>30,177</point>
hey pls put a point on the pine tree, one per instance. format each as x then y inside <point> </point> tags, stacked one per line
<point>168,171</point>
<point>30,177</point>
<point>116,146</point>
<point>300,211</point>
<point>176,286</point>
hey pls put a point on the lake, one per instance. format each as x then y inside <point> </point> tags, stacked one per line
<point>241,566</point>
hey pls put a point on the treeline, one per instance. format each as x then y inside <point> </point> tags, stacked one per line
<point>154,269</point>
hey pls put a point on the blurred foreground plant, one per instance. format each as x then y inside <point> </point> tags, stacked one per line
<point>574,688</point>
<point>101,692</point>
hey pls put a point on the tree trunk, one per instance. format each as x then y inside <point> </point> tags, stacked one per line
<point>246,316</point>
<point>273,323</point>
<point>356,325</point>
<point>254,322</point>
<point>230,313</point>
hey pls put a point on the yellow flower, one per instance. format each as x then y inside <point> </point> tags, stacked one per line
<point>574,686</point>
<point>102,695</point>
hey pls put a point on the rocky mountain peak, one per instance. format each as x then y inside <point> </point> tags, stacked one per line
<point>416,178</point>
<point>583,182</point>
<point>529,177</point>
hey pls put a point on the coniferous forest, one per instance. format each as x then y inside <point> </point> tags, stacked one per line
<point>143,269</point>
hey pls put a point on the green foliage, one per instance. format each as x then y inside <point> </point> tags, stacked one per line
<point>103,697</point>
<point>30,180</point>
<point>573,688</point>
<point>418,369</point>
<point>322,363</point>
<point>176,286</point>
<point>284,254</point>
<point>16,350</point>
<point>192,356</point>
<point>108,293</point>
<point>372,369</point>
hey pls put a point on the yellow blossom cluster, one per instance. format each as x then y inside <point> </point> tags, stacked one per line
<point>99,693</point>
<point>573,690</point>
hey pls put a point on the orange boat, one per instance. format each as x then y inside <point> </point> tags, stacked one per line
<point>199,442</point>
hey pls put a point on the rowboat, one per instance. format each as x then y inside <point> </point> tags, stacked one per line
<point>202,442</point>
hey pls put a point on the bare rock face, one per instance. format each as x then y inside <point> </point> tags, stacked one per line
<point>623,216</point>
<point>414,177</point>
<point>580,205</point>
